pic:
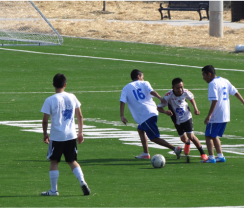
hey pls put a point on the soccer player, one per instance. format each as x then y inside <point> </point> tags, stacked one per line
<point>138,95</point>
<point>219,113</point>
<point>181,115</point>
<point>62,107</point>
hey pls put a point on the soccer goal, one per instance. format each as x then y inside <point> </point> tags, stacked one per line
<point>22,23</point>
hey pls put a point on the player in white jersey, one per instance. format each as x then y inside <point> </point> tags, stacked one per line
<point>181,115</point>
<point>138,95</point>
<point>219,112</point>
<point>62,107</point>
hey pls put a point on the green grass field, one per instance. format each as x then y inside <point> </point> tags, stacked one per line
<point>115,178</point>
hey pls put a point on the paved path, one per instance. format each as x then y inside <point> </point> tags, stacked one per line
<point>170,22</point>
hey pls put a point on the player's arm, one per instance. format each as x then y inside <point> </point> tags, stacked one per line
<point>196,111</point>
<point>155,94</point>
<point>78,113</point>
<point>44,128</point>
<point>239,97</point>
<point>122,109</point>
<point>212,107</point>
<point>161,106</point>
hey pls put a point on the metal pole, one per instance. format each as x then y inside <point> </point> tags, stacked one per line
<point>216,18</point>
<point>104,5</point>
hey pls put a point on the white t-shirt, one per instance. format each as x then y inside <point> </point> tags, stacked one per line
<point>61,107</point>
<point>137,95</point>
<point>219,89</point>
<point>179,105</point>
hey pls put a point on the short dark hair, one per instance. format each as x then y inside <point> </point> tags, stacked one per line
<point>59,80</point>
<point>135,73</point>
<point>176,81</point>
<point>207,69</point>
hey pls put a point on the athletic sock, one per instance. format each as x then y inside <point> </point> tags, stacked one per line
<point>201,150</point>
<point>79,174</point>
<point>220,155</point>
<point>211,157</point>
<point>189,142</point>
<point>54,174</point>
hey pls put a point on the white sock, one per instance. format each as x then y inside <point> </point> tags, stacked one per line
<point>211,157</point>
<point>220,155</point>
<point>145,153</point>
<point>79,174</point>
<point>54,174</point>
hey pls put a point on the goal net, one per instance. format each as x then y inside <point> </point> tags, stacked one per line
<point>22,23</point>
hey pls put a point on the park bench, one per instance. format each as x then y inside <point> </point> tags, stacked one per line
<point>185,6</point>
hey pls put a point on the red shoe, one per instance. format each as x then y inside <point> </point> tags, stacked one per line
<point>143,156</point>
<point>204,157</point>
<point>187,149</point>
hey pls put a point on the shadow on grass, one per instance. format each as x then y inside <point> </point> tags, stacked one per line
<point>39,195</point>
<point>113,161</point>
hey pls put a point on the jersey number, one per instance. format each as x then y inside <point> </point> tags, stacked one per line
<point>138,94</point>
<point>224,93</point>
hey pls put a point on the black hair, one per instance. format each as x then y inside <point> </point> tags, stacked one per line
<point>176,81</point>
<point>207,69</point>
<point>59,80</point>
<point>135,73</point>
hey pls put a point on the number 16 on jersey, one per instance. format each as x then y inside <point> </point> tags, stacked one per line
<point>138,94</point>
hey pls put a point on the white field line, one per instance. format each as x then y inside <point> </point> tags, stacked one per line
<point>114,59</point>
<point>93,91</point>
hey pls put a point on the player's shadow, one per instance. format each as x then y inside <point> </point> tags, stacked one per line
<point>114,162</point>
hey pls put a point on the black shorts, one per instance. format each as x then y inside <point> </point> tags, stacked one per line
<point>68,148</point>
<point>184,127</point>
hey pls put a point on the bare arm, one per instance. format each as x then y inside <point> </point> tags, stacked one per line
<point>212,107</point>
<point>161,106</point>
<point>155,94</point>
<point>78,113</point>
<point>238,95</point>
<point>122,108</point>
<point>196,111</point>
<point>168,112</point>
<point>44,128</point>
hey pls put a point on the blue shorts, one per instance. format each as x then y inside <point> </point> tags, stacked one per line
<point>215,129</point>
<point>150,127</point>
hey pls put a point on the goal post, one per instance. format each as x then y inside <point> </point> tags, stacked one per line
<point>23,24</point>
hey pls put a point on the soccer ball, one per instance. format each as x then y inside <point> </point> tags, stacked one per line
<point>158,161</point>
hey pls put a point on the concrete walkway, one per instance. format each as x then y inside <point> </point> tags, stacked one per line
<point>170,22</point>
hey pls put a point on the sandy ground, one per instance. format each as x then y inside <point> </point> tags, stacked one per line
<point>184,36</point>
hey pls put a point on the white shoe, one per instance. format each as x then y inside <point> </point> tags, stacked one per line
<point>143,156</point>
<point>85,188</point>
<point>50,193</point>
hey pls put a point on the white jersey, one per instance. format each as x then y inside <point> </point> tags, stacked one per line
<point>61,107</point>
<point>137,95</point>
<point>178,105</point>
<point>219,89</point>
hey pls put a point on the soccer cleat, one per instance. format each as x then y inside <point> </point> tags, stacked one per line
<point>209,161</point>
<point>204,157</point>
<point>187,149</point>
<point>143,156</point>
<point>220,159</point>
<point>178,151</point>
<point>85,188</point>
<point>50,193</point>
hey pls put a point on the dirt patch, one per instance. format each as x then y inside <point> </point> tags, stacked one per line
<point>184,36</point>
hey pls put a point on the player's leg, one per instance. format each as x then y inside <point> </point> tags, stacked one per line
<point>213,130</point>
<point>183,138</point>
<point>151,129</point>
<point>143,137</point>
<point>70,154</point>
<point>54,155</point>
<point>198,145</point>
